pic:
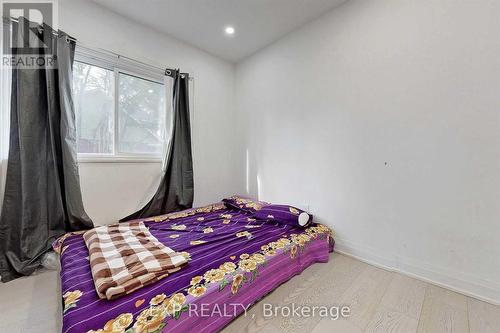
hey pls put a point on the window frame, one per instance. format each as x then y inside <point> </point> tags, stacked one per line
<point>121,66</point>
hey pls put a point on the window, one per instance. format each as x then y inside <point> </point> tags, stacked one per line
<point>120,113</point>
<point>93,89</point>
<point>141,115</point>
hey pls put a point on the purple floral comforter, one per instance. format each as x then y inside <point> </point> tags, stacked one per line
<point>233,259</point>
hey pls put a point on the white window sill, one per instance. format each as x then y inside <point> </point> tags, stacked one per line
<point>83,158</point>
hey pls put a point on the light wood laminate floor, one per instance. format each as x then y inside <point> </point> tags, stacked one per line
<point>380,301</point>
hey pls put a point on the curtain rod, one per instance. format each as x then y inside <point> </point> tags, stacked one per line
<point>166,70</point>
<point>53,31</point>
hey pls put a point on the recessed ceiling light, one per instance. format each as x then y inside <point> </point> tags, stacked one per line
<point>229,30</point>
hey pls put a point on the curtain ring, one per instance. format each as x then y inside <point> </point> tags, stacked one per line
<point>68,40</point>
<point>168,72</point>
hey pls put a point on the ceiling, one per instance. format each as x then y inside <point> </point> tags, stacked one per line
<point>201,22</point>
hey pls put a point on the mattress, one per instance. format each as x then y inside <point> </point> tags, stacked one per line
<point>234,260</point>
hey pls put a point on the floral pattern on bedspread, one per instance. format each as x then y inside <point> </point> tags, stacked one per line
<point>155,317</point>
<point>216,239</point>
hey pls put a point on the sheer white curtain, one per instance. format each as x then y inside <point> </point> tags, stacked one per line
<point>5,86</point>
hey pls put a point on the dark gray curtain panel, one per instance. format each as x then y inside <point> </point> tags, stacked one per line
<point>42,192</point>
<point>176,188</point>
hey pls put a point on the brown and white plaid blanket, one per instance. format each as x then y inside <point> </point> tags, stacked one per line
<point>125,257</point>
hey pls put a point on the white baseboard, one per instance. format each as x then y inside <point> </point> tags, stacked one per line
<point>460,282</point>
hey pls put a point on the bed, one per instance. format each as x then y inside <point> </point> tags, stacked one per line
<point>233,261</point>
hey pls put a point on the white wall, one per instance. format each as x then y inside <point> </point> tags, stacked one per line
<point>111,191</point>
<point>384,117</point>
<point>5,87</point>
